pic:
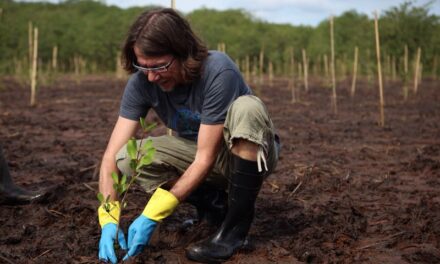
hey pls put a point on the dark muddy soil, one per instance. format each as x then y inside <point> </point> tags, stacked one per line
<point>345,190</point>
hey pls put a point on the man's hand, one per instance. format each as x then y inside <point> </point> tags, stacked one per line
<point>108,215</point>
<point>139,235</point>
<point>162,203</point>
<point>108,236</point>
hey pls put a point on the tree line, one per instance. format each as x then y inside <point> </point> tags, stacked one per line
<point>93,33</point>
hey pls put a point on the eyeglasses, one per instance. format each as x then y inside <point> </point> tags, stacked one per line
<point>159,69</point>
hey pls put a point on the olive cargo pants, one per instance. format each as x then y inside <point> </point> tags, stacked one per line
<point>247,118</point>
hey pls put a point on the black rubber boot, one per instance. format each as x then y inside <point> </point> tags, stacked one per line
<point>10,193</point>
<point>210,203</point>
<point>244,184</point>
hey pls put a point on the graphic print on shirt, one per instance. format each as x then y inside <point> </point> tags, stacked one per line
<point>186,123</point>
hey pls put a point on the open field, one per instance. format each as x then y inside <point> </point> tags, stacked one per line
<point>345,190</point>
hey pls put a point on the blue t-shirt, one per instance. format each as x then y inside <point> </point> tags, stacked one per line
<point>204,101</point>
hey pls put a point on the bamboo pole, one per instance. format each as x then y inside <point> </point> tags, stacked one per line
<point>292,62</point>
<point>54,58</point>
<point>405,73</point>
<point>416,70</point>
<point>247,69</point>
<point>379,71</point>
<point>291,87</point>
<point>270,73</point>
<point>260,68</point>
<point>387,68</point>
<point>173,4</point>
<point>355,65</point>
<point>292,75</point>
<point>332,68</point>
<point>305,67</point>
<point>34,68</point>
<point>119,69</point>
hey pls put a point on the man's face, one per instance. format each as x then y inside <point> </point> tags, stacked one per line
<point>162,70</point>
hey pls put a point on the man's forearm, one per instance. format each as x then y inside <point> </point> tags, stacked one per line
<point>190,180</point>
<point>108,166</point>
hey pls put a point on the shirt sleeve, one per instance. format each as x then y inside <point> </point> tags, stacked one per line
<point>218,96</point>
<point>135,103</point>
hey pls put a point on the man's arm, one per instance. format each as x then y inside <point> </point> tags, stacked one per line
<point>122,132</point>
<point>208,145</point>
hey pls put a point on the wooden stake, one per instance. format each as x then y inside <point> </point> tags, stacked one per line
<point>353,83</point>
<point>173,6</point>
<point>379,71</point>
<point>34,68</point>
<point>291,86</point>
<point>119,69</point>
<point>305,67</point>
<point>54,58</point>
<point>405,73</point>
<point>247,69</point>
<point>270,73</point>
<point>417,69</point>
<point>332,67</point>
<point>260,68</point>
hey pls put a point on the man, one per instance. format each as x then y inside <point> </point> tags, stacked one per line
<point>10,193</point>
<point>225,138</point>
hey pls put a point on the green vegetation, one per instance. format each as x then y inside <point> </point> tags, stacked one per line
<point>139,157</point>
<point>95,32</point>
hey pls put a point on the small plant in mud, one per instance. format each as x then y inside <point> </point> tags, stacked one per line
<point>140,155</point>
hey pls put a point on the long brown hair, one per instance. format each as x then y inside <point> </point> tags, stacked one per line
<point>163,31</point>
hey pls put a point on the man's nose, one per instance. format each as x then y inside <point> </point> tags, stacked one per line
<point>153,76</point>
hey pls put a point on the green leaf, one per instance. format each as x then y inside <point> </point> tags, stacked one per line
<point>115,187</point>
<point>115,177</point>
<point>150,152</point>
<point>124,179</point>
<point>132,149</point>
<point>150,127</point>
<point>147,145</point>
<point>145,160</point>
<point>133,164</point>
<point>100,197</point>
<point>142,121</point>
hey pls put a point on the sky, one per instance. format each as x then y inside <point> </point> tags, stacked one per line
<point>295,12</point>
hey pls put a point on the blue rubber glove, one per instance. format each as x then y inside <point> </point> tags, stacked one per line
<point>108,236</point>
<point>139,235</point>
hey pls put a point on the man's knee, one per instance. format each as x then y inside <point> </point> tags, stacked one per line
<point>245,149</point>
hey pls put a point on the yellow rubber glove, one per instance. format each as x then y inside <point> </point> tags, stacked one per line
<point>112,216</point>
<point>162,203</point>
<point>108,219</point>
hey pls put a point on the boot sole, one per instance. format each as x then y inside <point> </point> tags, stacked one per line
<point>200,258</point>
